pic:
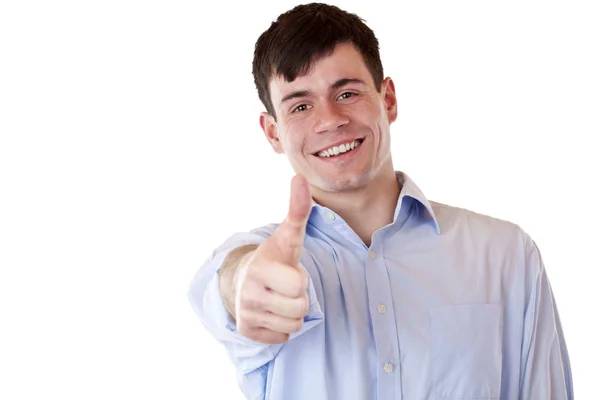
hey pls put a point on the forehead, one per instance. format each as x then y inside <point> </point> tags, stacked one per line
<point>345,62</point>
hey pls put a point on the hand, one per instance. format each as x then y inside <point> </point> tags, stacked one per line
<point>271,297</point>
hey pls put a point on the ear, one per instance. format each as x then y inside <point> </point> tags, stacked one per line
<point>269,127</point>
<point>389,97</point>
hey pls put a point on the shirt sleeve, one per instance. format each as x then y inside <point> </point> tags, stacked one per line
<point>249,357</point>
<point>546,370</point>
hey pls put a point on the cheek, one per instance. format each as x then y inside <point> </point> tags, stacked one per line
<point>287,145</point>
<point>370,113</point>
<point>292,138</point>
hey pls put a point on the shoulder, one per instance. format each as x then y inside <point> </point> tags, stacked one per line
<point>481,228</point>
<point>493,241</point>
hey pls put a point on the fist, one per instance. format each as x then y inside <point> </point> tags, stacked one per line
<point>271,290</point>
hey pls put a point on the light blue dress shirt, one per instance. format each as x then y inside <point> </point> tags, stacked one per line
<point>445,304</point>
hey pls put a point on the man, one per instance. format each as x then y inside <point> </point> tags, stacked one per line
<point>367,290</point>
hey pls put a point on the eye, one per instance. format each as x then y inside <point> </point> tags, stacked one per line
<point>301,107</point>
<point>346,95</point>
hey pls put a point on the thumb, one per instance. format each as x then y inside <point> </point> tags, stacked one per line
<point>290,233</point>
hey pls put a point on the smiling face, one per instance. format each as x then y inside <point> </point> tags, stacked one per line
<point>332,123</point>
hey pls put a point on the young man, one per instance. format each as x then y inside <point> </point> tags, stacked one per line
<point>367,290</point>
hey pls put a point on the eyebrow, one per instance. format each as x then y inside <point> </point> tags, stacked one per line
<point>336,85</point>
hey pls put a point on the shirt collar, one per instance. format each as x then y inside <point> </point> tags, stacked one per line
<point>409,189</point>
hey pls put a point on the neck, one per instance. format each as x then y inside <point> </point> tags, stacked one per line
<point>368,208</point>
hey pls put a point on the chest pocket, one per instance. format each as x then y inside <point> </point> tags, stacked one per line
<point>466,351</point>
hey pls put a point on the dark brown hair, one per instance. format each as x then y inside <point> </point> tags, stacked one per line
<point>305,34</point>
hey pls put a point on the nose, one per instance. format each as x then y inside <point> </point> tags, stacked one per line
<point>330,118</point>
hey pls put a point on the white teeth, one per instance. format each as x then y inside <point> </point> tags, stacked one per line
<point>335,150</point>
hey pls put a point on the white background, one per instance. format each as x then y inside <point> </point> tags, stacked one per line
<point>130,148</point>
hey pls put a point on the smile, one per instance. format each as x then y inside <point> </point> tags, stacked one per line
<point>342,148</point>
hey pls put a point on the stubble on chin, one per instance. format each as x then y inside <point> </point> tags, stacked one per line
<point>336,185</point>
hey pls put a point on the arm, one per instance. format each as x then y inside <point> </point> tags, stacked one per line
<point>251,358</point>
<point>545,366</point>
<point>253,295</point>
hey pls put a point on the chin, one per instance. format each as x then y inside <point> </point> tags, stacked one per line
<point>341,184</point>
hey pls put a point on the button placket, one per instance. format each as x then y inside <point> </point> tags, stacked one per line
<point>380,298</point>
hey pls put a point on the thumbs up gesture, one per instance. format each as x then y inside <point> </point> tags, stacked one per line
<point>271,297</point>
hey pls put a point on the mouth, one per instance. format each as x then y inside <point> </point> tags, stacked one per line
<point>336,151</point>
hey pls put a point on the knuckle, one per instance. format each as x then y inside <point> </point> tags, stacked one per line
<point>276,337</point>
<point>250,299</point>
<point>264,335</point>
<point>303,281</point>
<point>298,287</point>
<point>258,270</point>
<point>262,320</point>
<point>297,325</point>
<point>304,306</point>
<point>298,308</point>
<point>284,338</point>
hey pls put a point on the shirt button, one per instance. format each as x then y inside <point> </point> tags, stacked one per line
<point>388,367</point>
<point>372,255</point>
<point>381,308</point>
<point>330,216</point>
